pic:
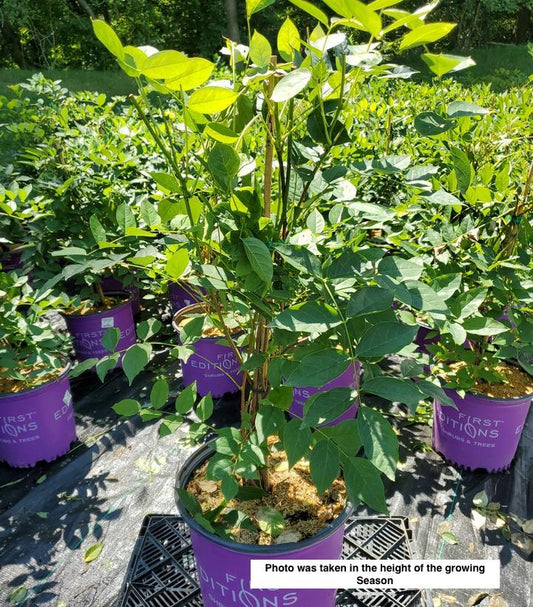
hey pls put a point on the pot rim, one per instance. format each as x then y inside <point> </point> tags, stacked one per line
<point>126,294</point>
<point>492,399</point>
<point>66,370</point>
<point>198,307</point>
<point>183,475</point>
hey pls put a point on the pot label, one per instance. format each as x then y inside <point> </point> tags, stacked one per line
<point>107,323</point>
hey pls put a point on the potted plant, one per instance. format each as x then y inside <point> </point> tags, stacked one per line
<point>249,159</point>
<point>36,413</point>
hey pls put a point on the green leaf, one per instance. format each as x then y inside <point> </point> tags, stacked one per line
<point>260,50</point>
<point>97,229</point>
<point>189,501</point>
<point>127,407</point>
<point>369,300</point>
<point>108,38</point>
<point>430,32</point>
<point>186,399</point>
<point>379,440</point>
<point>148,328</point>
<point>310,317</point>
<point>163,64</point>
<point>480,499</point>
<point>443,198</point>
<point>92,553</point>
<point>346,436</point>
<point>483,326</point>
<point>399,268</point>
<point>315,222</point>
<point>361,16</point>
<point>229,487</point>
<point>280,397</point>
<point>435,392</point>
<point>159,393</point>
<point>223,163</point>
<point>312,10</point>
<point>205,408</point>
<point>443,64</point>
<point>110,339</point>
<point>363,483</point>
<point>394,389</point>
<point>85,365</point>
<point>269,420</point>
<point>212,100</point>
<point>247,492</point>
<point>135,359</point>
<point>327,406</point>
<point>106,364</point>
<point>254,6</point>
<point>19,595</point>
<point>325,465</point>
<point>167,426</point>
<point>177,263</point>
<point>463,169</point>
<point>166,181</point>
<point>458,109</point>
<point>270,521</point>
<point>301,258</point>
<point>383,339</point>
<point>429,124</point>
<point>290,85</point>
<point>260,259</point>
<point>296,441</point>
<point>317,369</point>
<point>221,133</point>
<point>125,217</point>
<point>289,41</point>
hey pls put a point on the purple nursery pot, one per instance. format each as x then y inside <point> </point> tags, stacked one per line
<point>37,424</point>
<point>183,294</point>
<point>426,336</point>
<point>111,284</point>
<point>87,330</point>
<point>213,366</point>
<point>223,566</point>
<point>347,379</point>
<point>483,432</point>
<point>11,259</point>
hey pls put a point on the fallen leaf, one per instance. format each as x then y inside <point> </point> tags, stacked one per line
<point>437,602</point>
<point>522,541</point>
<point>93,553</point>
<point>498,601</point>
<point>208,486</point>
<point>18,595</point>
<point>283,466</point>
<point>42,514</point>
<point>480,499</point>
<point>41,479</point>
<point>449,537</point>
<point>500,522</point>
<point>527,526</point>
<point>478,520</point>
<point>476,599</point>
<point>446,598</point>
<point>471,547</point>
<point>493,506</point>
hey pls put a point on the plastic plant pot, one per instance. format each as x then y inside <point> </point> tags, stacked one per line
<point>483,432</point>
<point>223,566</point>
<point>214,366</point>
<point>37,424</point>
<point>111,284</point>
<point>87,330</point>
<point>11,259</point>
<point>426,336</point>
<point>347,379</point>
<point>183,294</point>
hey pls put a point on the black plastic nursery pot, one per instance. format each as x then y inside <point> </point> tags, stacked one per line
<point>223,566</point>
<point>483,432</point>
<point>38,423</point>
<point>214,366</point>
<point>87,330</point>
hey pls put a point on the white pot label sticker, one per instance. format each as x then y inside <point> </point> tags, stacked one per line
<point>67,399</point>
<point>107,323</point>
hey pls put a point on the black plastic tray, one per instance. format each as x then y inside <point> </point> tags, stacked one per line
<point>162,570</point>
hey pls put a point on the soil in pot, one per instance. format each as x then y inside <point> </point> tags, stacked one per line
<point>292,493</point>
<point>485,428</point>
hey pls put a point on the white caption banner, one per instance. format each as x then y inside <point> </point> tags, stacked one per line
<point>416,574</point>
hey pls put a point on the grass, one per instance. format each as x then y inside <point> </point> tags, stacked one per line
<point>109,82</point>
<point>515,63</point>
